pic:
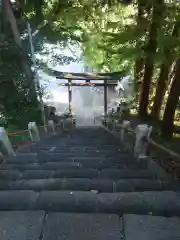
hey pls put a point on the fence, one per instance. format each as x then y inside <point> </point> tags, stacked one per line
<point>19,138</point>
<point>166,158</point>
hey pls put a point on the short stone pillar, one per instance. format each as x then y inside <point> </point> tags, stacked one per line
<point>124,127</point>
<point>115,122</point>
<point>52,126</point>
<point>6,142</point>
<point>62,124</point>
<point>105,122</point>
<point>33,131</point>
<point>143,132</point>
<point>73,122</point>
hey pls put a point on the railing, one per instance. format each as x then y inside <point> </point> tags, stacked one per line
<point>19,138</point>
<point>22,137</point>
<point>168,159</point>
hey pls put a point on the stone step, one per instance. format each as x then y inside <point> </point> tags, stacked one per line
<point>151,227</point>
<point>165,203</point>
<point>86,163</point>
<point>21,225</point>
<point>88,147</point>
<point>46,166</point>
<point>76,173</point>
<point>125,173</point>
<point>58,156</point>
<point>82,184</point>
<point>110,163</point>
<point>58,148</point>
<point>82,226</point>
<point>86,184</point>
<point>31,225</point>
<point>38,174</point>
<point>94,162</point>
<point>22,158</point>
<point>90,154</point>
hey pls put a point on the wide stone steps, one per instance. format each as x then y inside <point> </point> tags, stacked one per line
<point>86,184</point>
<point>62,226</point>
<point>122,161</point>
<point>75,173</point>
<point>164,203</point>
<point>75,163</point>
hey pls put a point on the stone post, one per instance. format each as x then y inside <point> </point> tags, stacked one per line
<point>33,131</point>
<point>6,142</point>
<point>143,132</point>
<point>52,126</point>
<point>124,127</point>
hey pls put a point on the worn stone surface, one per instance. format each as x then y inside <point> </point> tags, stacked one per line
<point>85,184</point>
<point>108,180</point>
<point>21,167</point>
<point>121,203</point>
<point>60,165</point>
<point>97,164</point>
<point>153,167</point>
<point>134,185</point>
<point>37,174</point>
<point>37,184</point>
<point>81,184</point>
<point>160,203</point>
<point>63,226</point>
<point>76,173</point>
<point>151,227</point>
<point>21,225</point>
<point>5,184</point>
<point>10,174</point>
<point>124,173</point>
<point>22,158</point>
<point>18,200</point>
<point>52,157</point>
<point>67,201</point>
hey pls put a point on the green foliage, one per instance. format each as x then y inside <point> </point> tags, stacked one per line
<point>18,101</point>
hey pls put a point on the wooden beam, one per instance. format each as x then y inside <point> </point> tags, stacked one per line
<point>87,84</point>
<point>87,76</point>
<point>70,95</point>
<point>105,98</point>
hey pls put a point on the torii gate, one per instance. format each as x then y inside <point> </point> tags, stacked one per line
<point>110,79</point>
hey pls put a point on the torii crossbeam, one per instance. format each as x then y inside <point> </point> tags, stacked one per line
<point>110,79</point>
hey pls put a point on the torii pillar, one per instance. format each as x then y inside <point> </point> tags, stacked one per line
<point>70,95</point>
<point>105,97</point>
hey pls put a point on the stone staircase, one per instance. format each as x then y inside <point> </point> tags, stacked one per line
<point>85,184</point>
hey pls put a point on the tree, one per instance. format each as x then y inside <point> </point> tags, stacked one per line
<point>16,34</point>
<point>165,68</point>
<point>113,37</point>
<point>143,15</point>
<point>18,103</point>
<point>172,101</point>
<point>150,50</point>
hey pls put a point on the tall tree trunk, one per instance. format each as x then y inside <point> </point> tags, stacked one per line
<point>143,8</point>
<point>163,77</point>
<point>157,14</point>
<point>172,101</point>
<point>160,90</point>
<point>17,39</point>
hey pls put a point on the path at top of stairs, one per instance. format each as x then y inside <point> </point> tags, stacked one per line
<point>85,184</point>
